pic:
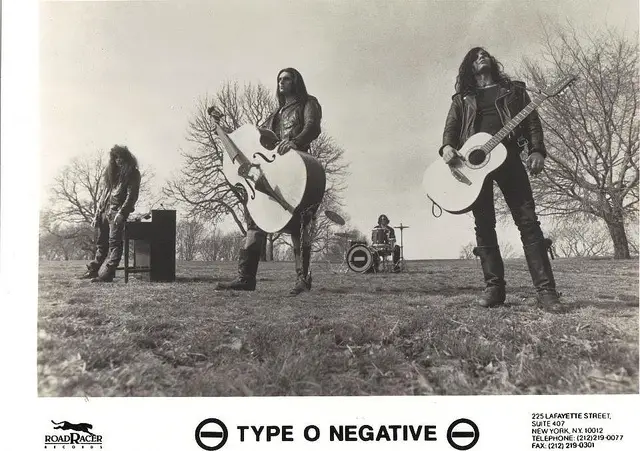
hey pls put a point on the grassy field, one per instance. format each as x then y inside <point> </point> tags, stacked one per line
<point>415,333</point>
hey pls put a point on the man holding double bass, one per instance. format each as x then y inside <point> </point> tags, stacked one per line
<point>296,124</point>
<point>485,100</point>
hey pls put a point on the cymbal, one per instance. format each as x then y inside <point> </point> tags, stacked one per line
<point>335,217</point>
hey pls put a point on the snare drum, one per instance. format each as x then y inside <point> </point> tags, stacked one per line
<point>379,237</point>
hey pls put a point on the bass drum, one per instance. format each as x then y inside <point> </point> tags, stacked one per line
<point>359,258</point>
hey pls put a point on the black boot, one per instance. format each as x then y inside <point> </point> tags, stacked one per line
<point>493,269</point>
<point>542,275</point>
<point>303,280</point>
<point>106,274</point>
<point>90,273</point>
<point>247,270</point>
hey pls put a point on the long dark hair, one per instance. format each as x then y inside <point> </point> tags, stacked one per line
<point>299,88</point>
<point>112,173</point>
<point>466,80</point>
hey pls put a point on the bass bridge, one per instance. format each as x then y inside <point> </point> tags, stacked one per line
<point>256,181</point>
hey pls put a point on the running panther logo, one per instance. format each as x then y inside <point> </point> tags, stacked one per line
<point>66,426</point>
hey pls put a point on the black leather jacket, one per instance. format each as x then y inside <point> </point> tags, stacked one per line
<point>298,121</point>
<point>512,98</point>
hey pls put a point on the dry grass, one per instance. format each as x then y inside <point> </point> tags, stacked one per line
<point>416,333</point>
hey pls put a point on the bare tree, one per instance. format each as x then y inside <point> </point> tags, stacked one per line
<point>337,246</point>
<point>66,244</point>
<point>202,185</point>
<point>591,130</point>
<point>282,250</point>
<point>189,235</point>
<point>73,202</point>
<point>581,239</point>
<point>63,241</point>
<point>506,250</point>
<point>75,192</point>
<point>230,244</point>
<point>466,251</point>
<point>210,246</point>
<point>633,247</point>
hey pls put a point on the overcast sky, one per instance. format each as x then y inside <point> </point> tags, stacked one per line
<point>131,73</point>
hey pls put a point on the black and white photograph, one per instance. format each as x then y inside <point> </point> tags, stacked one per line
<point>316,198</point>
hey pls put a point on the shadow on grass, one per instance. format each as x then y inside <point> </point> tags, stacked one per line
<point>430,291</point>
<point>212,279</point>
<point>203,279</point>
<point>626,298</point>
<point>613,305</point>
<point>576,306</point>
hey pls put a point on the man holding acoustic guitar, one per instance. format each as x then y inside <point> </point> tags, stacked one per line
<point>486,100</point>
<point>293,126</point>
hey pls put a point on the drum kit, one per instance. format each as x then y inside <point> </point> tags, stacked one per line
<point>361,257</point>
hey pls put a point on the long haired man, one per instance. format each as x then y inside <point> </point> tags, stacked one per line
<point>390,238</point>
<point>485,100</point>
<point>121,186</point>
<point>296,123</point>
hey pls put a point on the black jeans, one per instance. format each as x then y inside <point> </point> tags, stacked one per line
<point>513,181</point>
<point>110,242</point>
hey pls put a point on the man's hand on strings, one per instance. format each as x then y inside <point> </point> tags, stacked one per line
<point>535,163</point>
<point>285,146</point>
<point>451,155</point>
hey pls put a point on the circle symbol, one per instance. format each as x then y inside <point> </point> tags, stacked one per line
<point>359,258</point>
<point>215,437</point>
<point>465,439</point>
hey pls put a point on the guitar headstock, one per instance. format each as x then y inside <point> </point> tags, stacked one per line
<point>559,86</point>
<point>215,114</point>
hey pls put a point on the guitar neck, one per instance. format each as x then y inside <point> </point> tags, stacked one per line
<point>234,152</point>
<point>513,123</point>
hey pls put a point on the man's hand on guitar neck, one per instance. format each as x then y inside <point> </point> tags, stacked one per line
<point>450,155</point>
<point>535,163</point>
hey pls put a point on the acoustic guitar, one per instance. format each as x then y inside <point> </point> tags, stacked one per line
<point>455,188</point>
<point>278,188</point>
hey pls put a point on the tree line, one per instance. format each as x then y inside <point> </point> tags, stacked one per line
<point>588,189</point>
<point>200,192</point>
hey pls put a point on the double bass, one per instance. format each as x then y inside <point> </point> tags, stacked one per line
<point>278,188</point>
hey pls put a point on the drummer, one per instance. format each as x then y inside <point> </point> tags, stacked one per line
<point>389,239</point>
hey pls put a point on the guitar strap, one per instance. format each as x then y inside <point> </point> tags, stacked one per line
<point>433,209</point>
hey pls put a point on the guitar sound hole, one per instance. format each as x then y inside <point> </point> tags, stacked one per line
<point>476,156</point>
